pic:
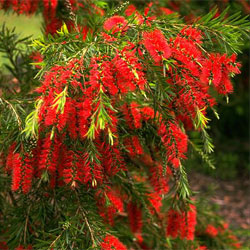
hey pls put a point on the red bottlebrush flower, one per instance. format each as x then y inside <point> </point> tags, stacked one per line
<point>175,142</point>
<point>53,25</point>
<point>156,44</point>
<point>10,158</point>
<point>211,230</point>
<point>28,173</point>
<point>136,114</point>
<point>71,119</point>
<point>115,200</point>
<point>157,179</point>
<point>192,33</point>
<point>173,223</point>
<point>130,10</point>
<point>109,203</point>
<point>49,10</point>
<point>107,78</point>
<point>84,113</point>
<point>156,202</point>
<point>69,168</point>
<point>116,24</point>
<point>22,172</point>
<point>128,71</point>
<point>182,223</point>
<point>49,155</point>
<point>134,217</point>
<point>133,146</point>
<point>111,242</point>
<point>217,69</point>
<point>148,113</point>
<point>16,172</point>
<point>112,160</point>
<point>187,230</point>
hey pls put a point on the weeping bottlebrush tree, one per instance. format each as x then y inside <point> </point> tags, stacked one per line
<point>95,132</point>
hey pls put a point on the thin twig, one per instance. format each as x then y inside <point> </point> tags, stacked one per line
<point>86,220</point>
<point>19,121</point>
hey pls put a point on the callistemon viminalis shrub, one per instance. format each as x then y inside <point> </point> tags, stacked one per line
<point>100,161</point>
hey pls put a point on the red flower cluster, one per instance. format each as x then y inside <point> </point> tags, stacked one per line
<point>116,24</point>
<point>182,224</point>
<point>135,219</point>
<point>175,142</point>
<point>21,7</point>
<point>110,242</point>
<point>217,69</point>
<point>156,45</point>
<point>109,203</point>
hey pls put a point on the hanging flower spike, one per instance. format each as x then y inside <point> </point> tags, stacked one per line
<point>157,45</point>
<point>136,114</point>
<point>175,142</point>
<point>217,69</point>
<point>187,231</point>
<point>133,146</point>
<point>110,242</point>
<point>116,24</point>
<point>27,173</point>
<point>156,202</point>
<point>16,172</point>
<point>10,158</point>
<point>182,223</point>
<point>192,33</point>
<point>130,10</point>
<point>109,204</point>
<point>128,71</point>
<point>158,180</point>
<point>134,217</point>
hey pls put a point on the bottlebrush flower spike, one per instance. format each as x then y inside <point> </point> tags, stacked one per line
<point>10,158</point>
<point>136,114</point>
<point>27,173</point>
<point>130,10</point>
<point>217,69</point>
<point>157,45</point>
<point>134,217</point>
<point>16,172</point>
<point>111,159</point>
<point>187,230</point>
<point>22,172</point>
<point>83,115</point>
<point>109,203</point>
<point>175,142</point>
<point>192,33</point>
<point>116,24</point>
<point>158,180</point>
<point>133,145</point>
<point>110,242</point>
<point>156,202</point>
<point>182,223</point>
<point>128,71</point>
<point>49,155</point>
